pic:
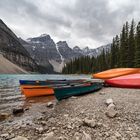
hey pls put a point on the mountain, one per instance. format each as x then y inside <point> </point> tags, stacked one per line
<point>47,54</point>
<point>12,49</point>
<point>51,56</point>
<point>66,52</point>
<point>38,51</point>
<point>92,52</point>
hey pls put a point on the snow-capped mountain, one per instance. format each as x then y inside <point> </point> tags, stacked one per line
<point>92,52</point>
<point>52,56</point>
<point>48,54</point>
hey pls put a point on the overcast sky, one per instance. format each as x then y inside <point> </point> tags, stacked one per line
<point>80,22</point>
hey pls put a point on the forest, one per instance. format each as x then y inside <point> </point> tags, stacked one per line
<point>124,53</point>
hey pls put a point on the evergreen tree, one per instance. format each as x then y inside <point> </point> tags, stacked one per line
<point>131,47</point>
<point>137,51</point>
<point>112,54</point>
<point>123,48</point>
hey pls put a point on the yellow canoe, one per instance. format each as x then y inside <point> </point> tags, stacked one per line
<point>108,74</point>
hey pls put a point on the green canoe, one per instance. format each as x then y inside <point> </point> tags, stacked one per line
<point>75,90</point>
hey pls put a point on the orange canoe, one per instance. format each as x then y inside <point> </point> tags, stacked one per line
<point>32,91</point>
<point>116,73</point>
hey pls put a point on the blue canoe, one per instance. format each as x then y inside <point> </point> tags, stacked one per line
<point>50,82</point>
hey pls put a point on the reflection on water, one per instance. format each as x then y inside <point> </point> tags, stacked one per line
<point>42,99</point>
<point>10,95</point>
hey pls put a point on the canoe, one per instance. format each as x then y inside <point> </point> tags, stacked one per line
<point>68,91</point>
<point>40,90</point>
<point>116,73</point>
<point>127,81</point>
<point>32,91</point>
<point>49,82</point>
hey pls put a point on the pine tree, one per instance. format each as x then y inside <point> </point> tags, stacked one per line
<point>124,46</point>
<point>117,52</point>
<point>112,54</point>
<point>131,47</point>
<point>137,51</point>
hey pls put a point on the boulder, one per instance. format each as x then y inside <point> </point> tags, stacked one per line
<point>50,105</point>
<point>109,101</point>
<point>89,122</point>
<point>18,111</point>
<point>111,112</point>
<point>4,116</point>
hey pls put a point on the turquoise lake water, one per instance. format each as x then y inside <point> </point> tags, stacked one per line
<point>10,95</point>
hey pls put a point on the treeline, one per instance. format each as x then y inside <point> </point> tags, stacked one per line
<point>125,52</point>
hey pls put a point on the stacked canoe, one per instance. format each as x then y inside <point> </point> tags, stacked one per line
<point>60,88</point>
<point>121,77</point>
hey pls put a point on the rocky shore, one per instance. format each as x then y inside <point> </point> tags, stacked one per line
<point>109,114</point>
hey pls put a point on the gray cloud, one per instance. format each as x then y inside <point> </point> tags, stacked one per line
<point>79,22</point>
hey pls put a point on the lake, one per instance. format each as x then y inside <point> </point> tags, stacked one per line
<point>10,95</point>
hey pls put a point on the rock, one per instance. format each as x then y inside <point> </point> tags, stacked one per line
<point>50,105</point>
<point>53,128</point>
<point>4,135</point>
<point>39,130</point>
<point>111,106</point>
<point>19,138</point>
<point>111,112</point>
<point>4,116</point>
<point>118,135</point>
<point>49,136</point>
<point>27,108</point>
<point>62,138</point>
<point>90,123</point>
<point>102,93</point>
<point>77,136</point>
<point>66,115</point>
<point>18,111</point>
<point>73,97</point>
<point>109,101</point>
<point>86,136</point>
<point>135,138</point>
<point>69,127</point>
<point>43,123</point>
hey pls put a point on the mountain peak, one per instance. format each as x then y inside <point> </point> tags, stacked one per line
<point>43,35</point>
<point>62,44</point>
<point>86,49</point>
<point>42,38</point>
<point>76,48</point>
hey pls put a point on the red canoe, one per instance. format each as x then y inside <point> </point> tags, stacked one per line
<point>127,81</point>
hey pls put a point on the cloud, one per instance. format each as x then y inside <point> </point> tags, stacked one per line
<point>84,23</point>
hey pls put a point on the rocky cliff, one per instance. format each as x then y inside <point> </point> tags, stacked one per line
<point>47,54</point>
<point>66,52</point>
<point>51,56</point>
<point>11,48</point>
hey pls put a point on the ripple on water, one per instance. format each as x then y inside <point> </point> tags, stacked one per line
<point>10,95</point>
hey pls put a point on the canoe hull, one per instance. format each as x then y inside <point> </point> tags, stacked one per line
<point>108,74</point>
<point>128,81</point>
<point>62,93</point>
<point>34,91</point>
<point>49,82</point>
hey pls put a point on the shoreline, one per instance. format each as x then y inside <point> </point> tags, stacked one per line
<point>65,119</point>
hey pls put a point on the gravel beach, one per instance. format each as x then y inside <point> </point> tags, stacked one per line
<point>108,114</point>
